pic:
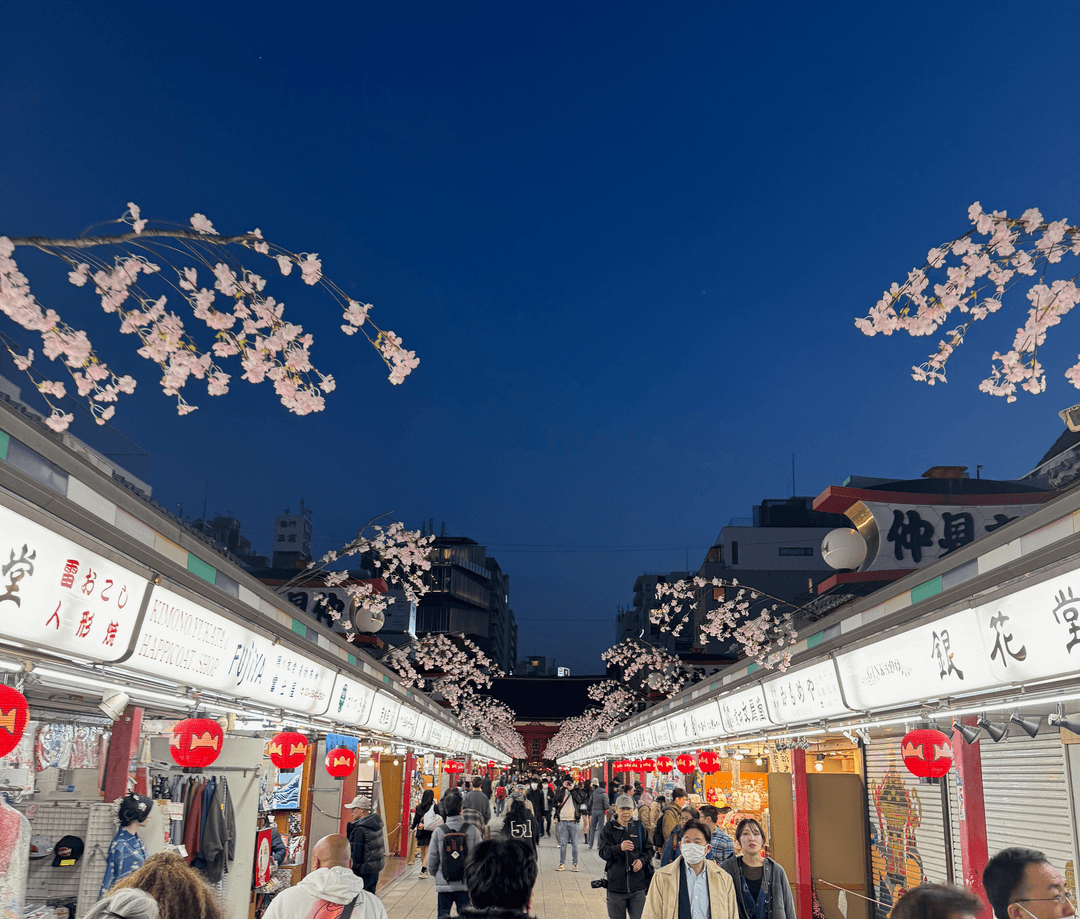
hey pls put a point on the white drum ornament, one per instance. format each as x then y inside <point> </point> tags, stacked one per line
<point>365,620</point>
<point>843,549</point>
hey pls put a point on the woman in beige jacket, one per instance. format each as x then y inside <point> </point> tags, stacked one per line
<point>691,886</point>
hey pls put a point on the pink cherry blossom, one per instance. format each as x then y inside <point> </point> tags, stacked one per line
<point>200,224</point>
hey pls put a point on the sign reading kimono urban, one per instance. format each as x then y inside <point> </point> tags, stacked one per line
<point>185,642</point>
<point>56,594</point>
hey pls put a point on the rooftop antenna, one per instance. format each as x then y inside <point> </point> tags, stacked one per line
<point>793,474</point>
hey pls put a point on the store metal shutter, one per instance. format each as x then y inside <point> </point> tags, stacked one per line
<point>1025,792</point>
<point>906,823</point>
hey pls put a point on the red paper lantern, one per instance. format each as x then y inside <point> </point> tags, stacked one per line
<point>927,753</point>
<point>647,765</point>
<point>453,767</point>
<point>635,765</point>
<point>684,762</point>
<point>708,761</point>
<point>288,749</point>
<point>14,713</point>
<point>664,764</point>
<point>340,762</point>
<point>196,742</point>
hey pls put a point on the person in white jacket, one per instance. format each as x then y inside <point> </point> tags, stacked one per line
<point>330,890</point>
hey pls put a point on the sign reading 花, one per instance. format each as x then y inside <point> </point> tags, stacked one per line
<point>58,595</point>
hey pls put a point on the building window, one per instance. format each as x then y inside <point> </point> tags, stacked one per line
<point>795,550</point>
<point>734,551</point>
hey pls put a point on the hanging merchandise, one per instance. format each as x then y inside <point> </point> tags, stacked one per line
<point>288,749</point>
<point>14,713</point>
<point>685,763</point>
<point>196,742</point>
<point>664,764</point>
<point>340,762</point>
<point>927,753</point>
<point>15,842</point>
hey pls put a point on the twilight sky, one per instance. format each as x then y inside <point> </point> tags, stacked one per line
<point>628,244</point>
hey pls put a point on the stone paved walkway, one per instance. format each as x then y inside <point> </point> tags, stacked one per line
<point>557,895</point>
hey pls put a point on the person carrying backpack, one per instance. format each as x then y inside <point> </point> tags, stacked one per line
<point>450,846</point>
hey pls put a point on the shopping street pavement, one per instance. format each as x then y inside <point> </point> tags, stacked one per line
<point>557,895</point>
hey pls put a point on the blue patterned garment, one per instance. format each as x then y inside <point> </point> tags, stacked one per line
<point>126,854</point>
<point>721,846</point>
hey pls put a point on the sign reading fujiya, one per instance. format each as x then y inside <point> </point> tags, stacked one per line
<point>58,595</point>
<point>184,642</point>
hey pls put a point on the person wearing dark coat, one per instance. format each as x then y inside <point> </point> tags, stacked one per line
<point>627,852</point>
<point>520,824</point>
<point>536,797</point>
<point>365,835</point>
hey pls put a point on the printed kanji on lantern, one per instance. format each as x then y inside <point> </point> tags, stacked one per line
<point>708,761</point>
<point>196,742</point>
<point>340,762</point>
<point>288,749</point>
<point>664,764</point>
<point>684,762</point>
<point>927,753</point>
<point>14,713</point>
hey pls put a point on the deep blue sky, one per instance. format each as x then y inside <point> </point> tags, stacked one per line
<point>628,244</point>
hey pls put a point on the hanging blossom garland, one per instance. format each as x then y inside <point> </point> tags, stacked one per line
<point>765,633</point>
<point>616,702</point>
<point>659,671</point>
<point>495,721</point>
<point>204,269</point>
<point>972,276</point>
<point>450,665</point>
<point>573,733</point>
<point>399,555</point>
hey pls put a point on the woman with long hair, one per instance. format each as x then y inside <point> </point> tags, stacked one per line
<point>423,837</point>
<point>761,885</point>
<point>179,889</point>
<point>519,823</point>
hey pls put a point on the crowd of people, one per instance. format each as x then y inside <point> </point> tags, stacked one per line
<point>663,859</point>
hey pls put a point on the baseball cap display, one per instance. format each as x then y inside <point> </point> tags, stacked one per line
<point>40,846</point>
<point>68,851</point>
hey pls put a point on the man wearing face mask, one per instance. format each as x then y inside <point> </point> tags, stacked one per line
<point>627,852</point>
<point>690,885</point>
<point>1022,884</point>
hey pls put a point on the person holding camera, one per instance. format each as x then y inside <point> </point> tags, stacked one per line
<point>627,852</point>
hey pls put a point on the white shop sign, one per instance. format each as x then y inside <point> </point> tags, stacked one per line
<point>182,641</point>
<point>423,729</point>
<point>661,734</point>
<point>383,714</point>
<point>57,595</point>
<point>707,721</point>
<point>681,729</point>
<point>350,701</point>
<point>805,695</point>
<point>407,723</point>
<point>745,711</point>
<point>1031,634</point>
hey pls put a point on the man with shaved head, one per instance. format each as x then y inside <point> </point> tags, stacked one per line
<point>330,890</point>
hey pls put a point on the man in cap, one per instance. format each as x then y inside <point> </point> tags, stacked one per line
<point>627,852</point>
<point>126,851</point>
<point>365,834</point>
<point>328,888</point>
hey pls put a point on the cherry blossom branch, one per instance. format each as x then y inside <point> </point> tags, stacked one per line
<point>1015,249</point>
<point>439,662</point>
<point>660,671</point>
<point>763,632</point>
<point>246,323</point>
<point>399,555</point>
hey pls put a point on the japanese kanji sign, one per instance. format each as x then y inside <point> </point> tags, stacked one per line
<point>56,594</point>
<point>745,711</point>
<point>802,695</point>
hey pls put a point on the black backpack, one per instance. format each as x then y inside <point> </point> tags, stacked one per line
<point>658,831</point>
<point>455,848</point>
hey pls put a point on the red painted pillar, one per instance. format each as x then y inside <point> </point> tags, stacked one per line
<point>123,745</point>
<point>804,907</point>
<point>969,793</point>
<point>406,803</point>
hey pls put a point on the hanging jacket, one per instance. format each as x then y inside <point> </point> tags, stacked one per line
<point>219,834</point>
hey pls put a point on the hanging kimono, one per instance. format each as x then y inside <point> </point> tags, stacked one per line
<point>14,861</point>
